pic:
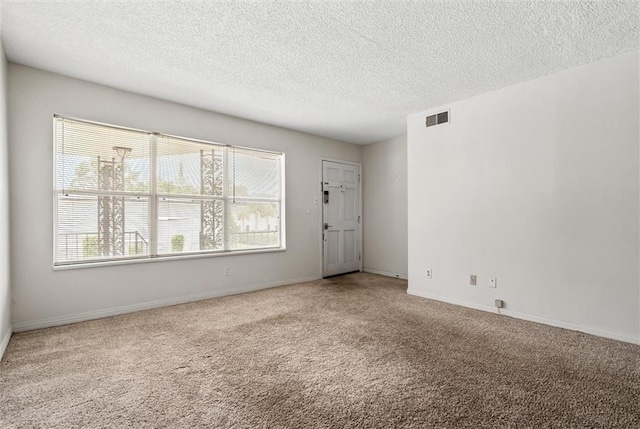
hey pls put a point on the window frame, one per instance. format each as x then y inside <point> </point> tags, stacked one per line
<point>153,198</point>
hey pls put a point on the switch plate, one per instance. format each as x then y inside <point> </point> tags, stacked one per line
<point>429,273</point>
<point>493,282</point>
<point>227,271</point>
<point>473,280</point>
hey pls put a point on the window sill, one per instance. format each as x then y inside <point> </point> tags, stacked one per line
<point>165,258</point>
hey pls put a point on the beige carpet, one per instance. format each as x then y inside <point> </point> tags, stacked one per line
<point>353,351</point>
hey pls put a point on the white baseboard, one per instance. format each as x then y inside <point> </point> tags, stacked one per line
<point>385,273</point>
<point>115,311</point>
<point>529,317</point>
<point>5,342</point>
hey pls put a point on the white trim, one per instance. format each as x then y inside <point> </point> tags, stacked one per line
<point>171,257</point>
<point>320,207</point>
<point>54,195</point>
<point>115,311</point>
<point>282,229</point>
<point>152,211</point>
<point>529,317</point>
<point>385,273</point>
<point>5,342</point>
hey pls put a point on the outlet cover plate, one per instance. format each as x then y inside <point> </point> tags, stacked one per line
<point>493,282</point>
<point>473,280</point>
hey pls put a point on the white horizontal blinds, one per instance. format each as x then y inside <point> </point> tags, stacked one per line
<point>187,167</point>
<point>85,233</point>
<point>190,183</point>
<point>205,197</point>
<point>255,194</point>
<point>102,192</point>
<point>255,174</point>
<point>83,148</point>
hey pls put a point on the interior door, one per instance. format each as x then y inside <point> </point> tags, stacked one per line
<point>340,217</point>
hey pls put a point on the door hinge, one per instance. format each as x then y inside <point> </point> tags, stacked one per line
<point>358,219</point>
<point>359,256</point>
<point>358,178</point>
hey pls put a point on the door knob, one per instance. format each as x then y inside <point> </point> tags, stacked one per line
<point>327,226</point>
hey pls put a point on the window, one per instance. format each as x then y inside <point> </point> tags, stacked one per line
<point>128,194</point>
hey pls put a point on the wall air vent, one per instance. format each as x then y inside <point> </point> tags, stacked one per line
<point>438,118</point>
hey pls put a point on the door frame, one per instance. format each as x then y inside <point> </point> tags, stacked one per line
<point>321,212</point>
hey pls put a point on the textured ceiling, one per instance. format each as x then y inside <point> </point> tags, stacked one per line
<point>350,71</point>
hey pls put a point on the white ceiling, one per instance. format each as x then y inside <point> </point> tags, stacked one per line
<point>350,71</point>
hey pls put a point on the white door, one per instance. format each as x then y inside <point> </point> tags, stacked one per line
<point>340,217</point>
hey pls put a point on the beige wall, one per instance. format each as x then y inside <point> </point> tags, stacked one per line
<point>43,296</point>
<point>384,189</point>
<point>537,184</point>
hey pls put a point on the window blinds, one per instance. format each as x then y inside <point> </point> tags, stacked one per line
<point>102,192</point>
<point>122,194</point>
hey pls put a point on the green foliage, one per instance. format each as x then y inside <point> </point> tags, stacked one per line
<point>90,247</point>
<point>177,243</point>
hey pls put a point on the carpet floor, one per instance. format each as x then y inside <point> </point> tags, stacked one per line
<point>348,352</point>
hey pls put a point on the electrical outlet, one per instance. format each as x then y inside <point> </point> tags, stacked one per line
<point>227,271</point>
<point>473,280</point>
<point>429,273</point>
<point>493,282</point>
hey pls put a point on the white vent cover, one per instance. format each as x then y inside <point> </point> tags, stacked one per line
<point>437,119</point>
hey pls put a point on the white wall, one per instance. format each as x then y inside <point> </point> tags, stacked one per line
<point>44,296</point>
<point>384,211</point>
<point>537,184</point>
<point>5,297</point>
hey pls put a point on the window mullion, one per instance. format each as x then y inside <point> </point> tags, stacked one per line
<point>225,196</point>
<point>153,201</point>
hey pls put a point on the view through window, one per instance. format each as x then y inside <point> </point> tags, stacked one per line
<point>125,194</point>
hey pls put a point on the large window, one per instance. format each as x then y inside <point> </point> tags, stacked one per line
<point>128,194</point>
